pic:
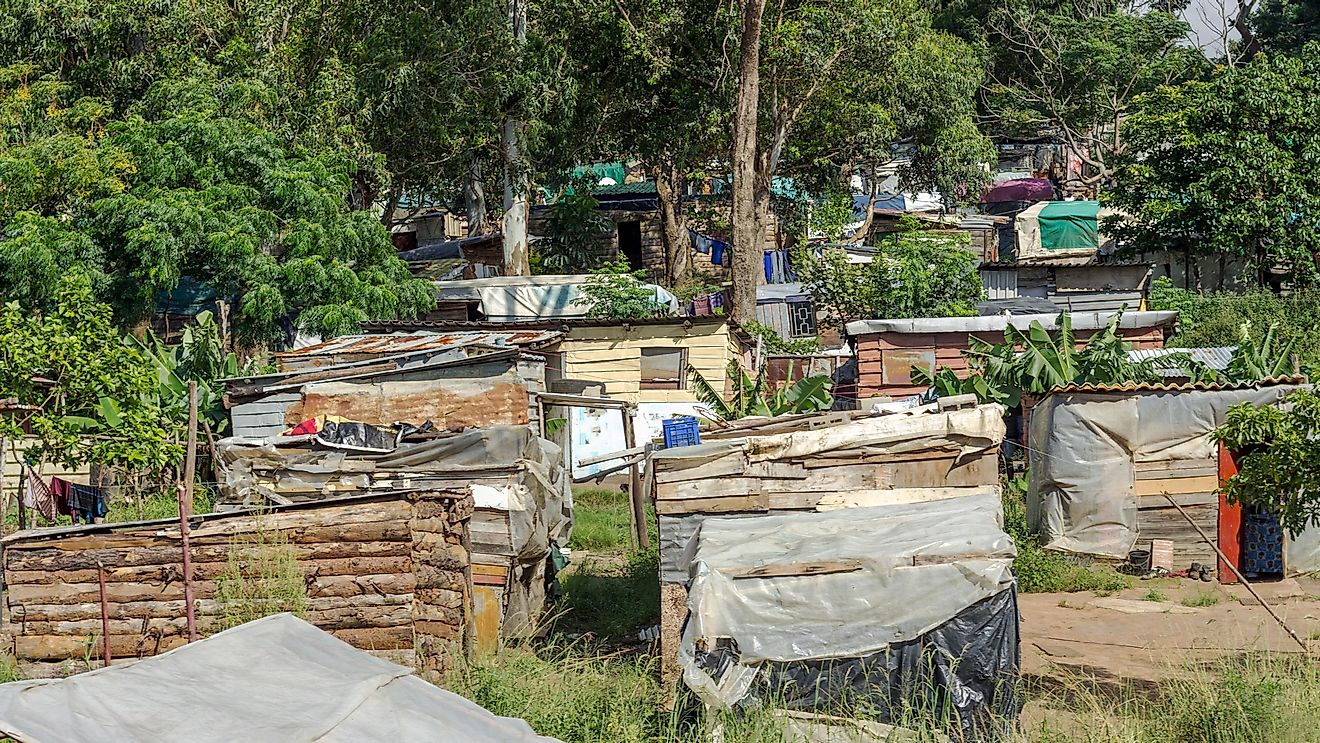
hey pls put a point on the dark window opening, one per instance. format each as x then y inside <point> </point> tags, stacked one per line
<point>630,244</point>
<point>663,368</point>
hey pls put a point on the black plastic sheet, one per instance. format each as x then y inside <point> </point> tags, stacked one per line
<point>964,672</point>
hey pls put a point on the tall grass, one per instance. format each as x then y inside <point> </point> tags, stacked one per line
<point>261,578</point>
<point>608,599</point>
<point>601,520</point>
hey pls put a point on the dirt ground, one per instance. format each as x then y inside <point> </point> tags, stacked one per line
<point>1129,640</point>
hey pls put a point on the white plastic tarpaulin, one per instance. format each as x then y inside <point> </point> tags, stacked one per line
<point>1084,450</point>
<point>277,679</point>
<point>916,566</point>
<point>513,298</point>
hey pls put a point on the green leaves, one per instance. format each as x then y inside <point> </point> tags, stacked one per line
<point>1278,457</point>
<point>616,292</point>
<point>1228,166</point>
<point>752,395</point>
<point>913,273</point>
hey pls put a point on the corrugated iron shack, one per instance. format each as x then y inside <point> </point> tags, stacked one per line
<point>385,571</point>
<point>450,382</point>
<point>799,507</point>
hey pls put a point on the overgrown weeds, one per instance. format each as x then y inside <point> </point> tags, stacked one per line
<point>1039,570</point>
<point>261,578</point>
<point>162,504</point>
<point>609,599</point>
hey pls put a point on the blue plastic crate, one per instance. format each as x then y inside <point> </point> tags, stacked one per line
<point>681,430</point>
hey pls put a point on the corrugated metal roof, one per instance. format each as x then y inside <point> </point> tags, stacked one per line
<point>1190,386</point>
<point>1216,358</point>
<point>1080,321</point>
<point>399,343</point>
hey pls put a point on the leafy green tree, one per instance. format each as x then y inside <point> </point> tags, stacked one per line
<point>1277,449</point>
<point>92,394</point>
<point>140,204</point>
<point>1075,69</point>
<point>914,273</point>
<point>616,292</point>
<point>1228,166</point>
<point>1286,25</point>
<point>573,234</point>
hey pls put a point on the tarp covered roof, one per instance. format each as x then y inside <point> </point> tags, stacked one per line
<point>1080,321</point>
<point>274,679</point>
<point>513,298</point>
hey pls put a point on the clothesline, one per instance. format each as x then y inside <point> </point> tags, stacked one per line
<point>778,267</point>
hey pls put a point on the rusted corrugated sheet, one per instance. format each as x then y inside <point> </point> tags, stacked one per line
<point>451,404</point>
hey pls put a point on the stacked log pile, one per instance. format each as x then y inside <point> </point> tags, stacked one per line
<point>383,572</point>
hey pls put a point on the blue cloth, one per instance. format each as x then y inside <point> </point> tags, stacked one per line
<point>769,262</point>
<point>699,241</point>
<point>717,250</point>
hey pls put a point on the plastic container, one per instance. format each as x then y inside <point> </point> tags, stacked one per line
<point>681,430</point>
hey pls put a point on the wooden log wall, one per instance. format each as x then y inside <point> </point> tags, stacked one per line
<point>386,572</point>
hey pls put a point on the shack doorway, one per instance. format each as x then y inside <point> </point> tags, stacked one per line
<point>630,244</point>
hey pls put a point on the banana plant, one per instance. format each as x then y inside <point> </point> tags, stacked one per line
<point>1262,357</point>
<point>755,396</point>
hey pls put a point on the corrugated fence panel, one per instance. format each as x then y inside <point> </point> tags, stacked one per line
<point>1000,284</point>
<point>775,314</point>
<point>263,418</point>
<point>1097,301</point>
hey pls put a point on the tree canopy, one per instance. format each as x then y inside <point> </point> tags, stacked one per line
<point>1228,166</point>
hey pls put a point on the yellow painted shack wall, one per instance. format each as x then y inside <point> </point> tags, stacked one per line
<point>613,356</point>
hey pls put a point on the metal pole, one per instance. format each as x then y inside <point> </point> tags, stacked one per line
<point>1239,575</point>
<point>105,615</point>
<point>187,567</point>
<point>190,459</point>
<point>635,487</point>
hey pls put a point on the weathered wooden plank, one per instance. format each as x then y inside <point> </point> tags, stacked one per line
<point>1146,502</point>
<point>725,466</point>
<point>712,488</point>
<point>865,498</point>
<point>487,611</point>
<point>731,504</point>
<point>1200,484</point>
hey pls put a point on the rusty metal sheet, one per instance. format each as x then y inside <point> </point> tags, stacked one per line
<point>897,363</point>
<point>452,404</point>
<point>400,343</point>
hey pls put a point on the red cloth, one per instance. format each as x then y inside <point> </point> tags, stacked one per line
<point>306,427</point>
<point>61,490</point>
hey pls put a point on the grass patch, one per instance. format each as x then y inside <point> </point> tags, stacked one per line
<point>1249,699</point>
<point>1039,570</point>
<point>607,598</point>
<point>156,505</point>
<point>1201,600</point>
<point>601,520</point>
<point>1155,594</point>
<point>261,578</point>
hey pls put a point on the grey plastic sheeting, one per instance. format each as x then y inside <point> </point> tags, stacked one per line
<point>275,679</point>
<point>966,557</point>
<point>540,505</point>
<point>1084,447</point>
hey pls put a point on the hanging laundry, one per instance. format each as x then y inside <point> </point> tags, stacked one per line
<point>59,489</point>
<point>768,261</point>
<point>37,495</point>
<point>700,242</point>
<point>717,252</point>
<point>87,503</point>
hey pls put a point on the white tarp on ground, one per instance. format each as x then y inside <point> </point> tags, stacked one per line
<point>277,679</point>
<point>1084,446</point>
<point>889,598</point>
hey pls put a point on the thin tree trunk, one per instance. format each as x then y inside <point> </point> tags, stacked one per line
<point>474,198</point>
<point>516,182</point>
<point>673,222</point>
<point>747,226</point>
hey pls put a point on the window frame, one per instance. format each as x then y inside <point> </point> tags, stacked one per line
<point>679,383</point>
